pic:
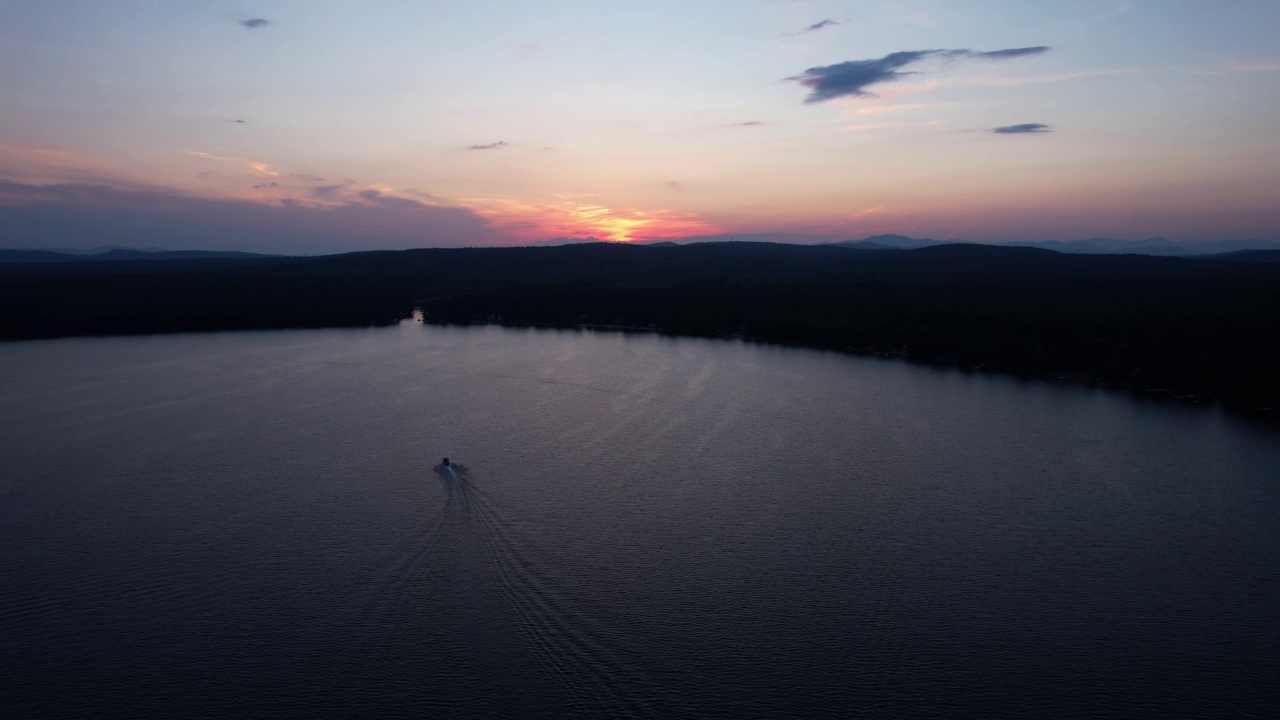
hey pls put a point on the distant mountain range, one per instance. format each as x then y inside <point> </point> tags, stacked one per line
<point>105,254</point>
<point>1157,246</point>
<point>1252,250</point>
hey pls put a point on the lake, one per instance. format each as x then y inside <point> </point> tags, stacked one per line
<point>258,524</point>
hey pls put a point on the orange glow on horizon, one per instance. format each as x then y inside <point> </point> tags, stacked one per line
<point>573,219</point>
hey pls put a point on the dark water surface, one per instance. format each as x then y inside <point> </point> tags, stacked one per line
<point>251,524</point>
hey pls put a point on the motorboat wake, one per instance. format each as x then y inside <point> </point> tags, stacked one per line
<point>447,467</point>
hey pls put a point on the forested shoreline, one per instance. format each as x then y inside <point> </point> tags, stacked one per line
<point>1200,329</point>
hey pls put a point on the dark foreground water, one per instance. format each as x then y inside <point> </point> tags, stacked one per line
<point>250,524</point>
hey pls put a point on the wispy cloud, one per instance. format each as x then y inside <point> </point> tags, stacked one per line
<point>259,168</point>
<point>1056,77</point>
<point>1240,68</point>
<point>80,214</point>
<point>254,23</point>
<point>864,110</point>
<point>906,89</point>
<point>821,25</point>
<point>1022,129</point>
<point>864,127</point>
<point>52,165</point>
<point>854,77</point>
<point>1119,9</point>
<point>490,146</point>
<point>1000,54</point>
<point>908,15</point>
<point>749,123</point>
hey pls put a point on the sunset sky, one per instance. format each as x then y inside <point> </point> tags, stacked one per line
<point>308,126</point>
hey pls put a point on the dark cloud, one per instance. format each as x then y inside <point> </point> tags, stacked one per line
<point>815,27</point>
<point>423,195</point>
<point>1012,53</point>
<point>308,178</point>
<point>390,201</point>
<point>749,123</point>
<point>255,23</point>
<point>1022,129</point>
<point>827,82</point>
<point>770,237</point>
<point>491,146</point>
<point>852,78</point>
<point>266,185</point>
<point>566,241</point>
<point>83,215</point>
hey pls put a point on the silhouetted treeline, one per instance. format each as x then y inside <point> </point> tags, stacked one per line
<point>149,296</point>
<point>1148,323</point>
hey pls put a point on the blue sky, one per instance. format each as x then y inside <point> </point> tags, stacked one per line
<point>324,126</point>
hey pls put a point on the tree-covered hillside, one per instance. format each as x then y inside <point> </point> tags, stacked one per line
<point>1149,323</point>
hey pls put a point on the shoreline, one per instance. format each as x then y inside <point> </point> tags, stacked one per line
<point>1259,413</point>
